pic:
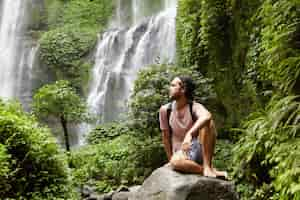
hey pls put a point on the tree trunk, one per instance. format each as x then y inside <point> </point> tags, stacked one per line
<point>64,125</point>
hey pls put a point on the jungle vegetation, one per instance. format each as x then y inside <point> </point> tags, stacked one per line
<point>244,56</point>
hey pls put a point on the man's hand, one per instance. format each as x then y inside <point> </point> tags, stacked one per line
<point>186,146</point>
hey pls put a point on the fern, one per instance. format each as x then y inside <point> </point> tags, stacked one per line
<point>280,58</point>
<point>268,151</point>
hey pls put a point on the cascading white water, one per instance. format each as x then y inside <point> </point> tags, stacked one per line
<point>10,29</point>
<point>17,53</point>
<point>122,52</point>
<point>24,83</point>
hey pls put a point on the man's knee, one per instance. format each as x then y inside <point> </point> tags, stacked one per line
<point>177,160</point>
<point>177,164</point>
<point>209,127</point>
<point>174,162</point>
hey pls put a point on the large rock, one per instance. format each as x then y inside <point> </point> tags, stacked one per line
<point>166,184</point>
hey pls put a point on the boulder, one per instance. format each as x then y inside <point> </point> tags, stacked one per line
<point>121,196</point>
<point>166,184</point>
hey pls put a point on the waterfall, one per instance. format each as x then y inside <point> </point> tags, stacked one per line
<point>10,29</point>
<point>16,51</point>
<point>24,82</point>
<point>122,52</point>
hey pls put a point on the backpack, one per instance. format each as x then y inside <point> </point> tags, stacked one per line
<point>169,110</point>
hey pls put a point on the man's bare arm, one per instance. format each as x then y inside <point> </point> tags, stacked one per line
<point>204,117</point>
<point>167,144</point>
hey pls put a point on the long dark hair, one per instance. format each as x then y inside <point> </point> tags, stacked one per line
<point>188,86</point>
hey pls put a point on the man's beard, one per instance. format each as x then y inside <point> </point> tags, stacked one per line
<point>173,97</point>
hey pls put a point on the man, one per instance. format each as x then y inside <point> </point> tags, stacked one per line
<point>192,130</point>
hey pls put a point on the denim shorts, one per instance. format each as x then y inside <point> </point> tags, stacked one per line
<point>195,153</point>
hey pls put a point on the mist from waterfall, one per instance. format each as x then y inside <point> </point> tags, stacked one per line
<point>135,41</point>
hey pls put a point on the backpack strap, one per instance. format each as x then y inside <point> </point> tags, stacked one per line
<point>194,117</point>
<point>169,110</point>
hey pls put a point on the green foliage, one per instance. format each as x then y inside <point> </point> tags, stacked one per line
<point>53,12</point>
<point>88,13</point>
<point>215,39</point>
<point>61,46</point>
<point>59,100</point>
<point>93,14</point>
<point>254,91</point>
<point>125,160</point>
<point>248,48</point>
<point>108,131</point>
<point>223,155</point>
<point>280,55</point>
<point>268,151</point>
<point>187,32</point>
<point>63,50</point>
<point>73,28</point>
<point>32,165</point>
<point>287,173</point>
<point>4,170</point>
<point>151,91</point>
<point>205,38</point>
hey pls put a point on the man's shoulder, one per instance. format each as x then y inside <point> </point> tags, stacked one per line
<point>197,104</point>
<point>198,107</point>
<point>165,107</point>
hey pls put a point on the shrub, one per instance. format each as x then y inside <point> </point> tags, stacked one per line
<point>280,56</point>
<point>125,160</point>
<point>72,34</point>
<point>5,170</point>
<point>34,165</point>
<point>63,50</point>
<point>108,131</point>
<point>268,151</point>
<point>59,100</point>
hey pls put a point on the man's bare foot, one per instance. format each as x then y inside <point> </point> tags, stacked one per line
<point>214,173</point>
<point>209,172</point>
<point>220,173</point>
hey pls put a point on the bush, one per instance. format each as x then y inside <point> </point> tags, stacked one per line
<point>125,160</point>
<point>5,170</point>
<point>223,155</point>
<point>268,151</point>
<point>93,14</point>
<point>280,56</point>
<point>187,33</point>
<point>72,34</point>
<point>108,131</point>
<point>60,101</point>
<point>32,165</point>
<point>63,49</point>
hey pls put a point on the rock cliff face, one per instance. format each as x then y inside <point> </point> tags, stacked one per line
<point>166,184</point>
